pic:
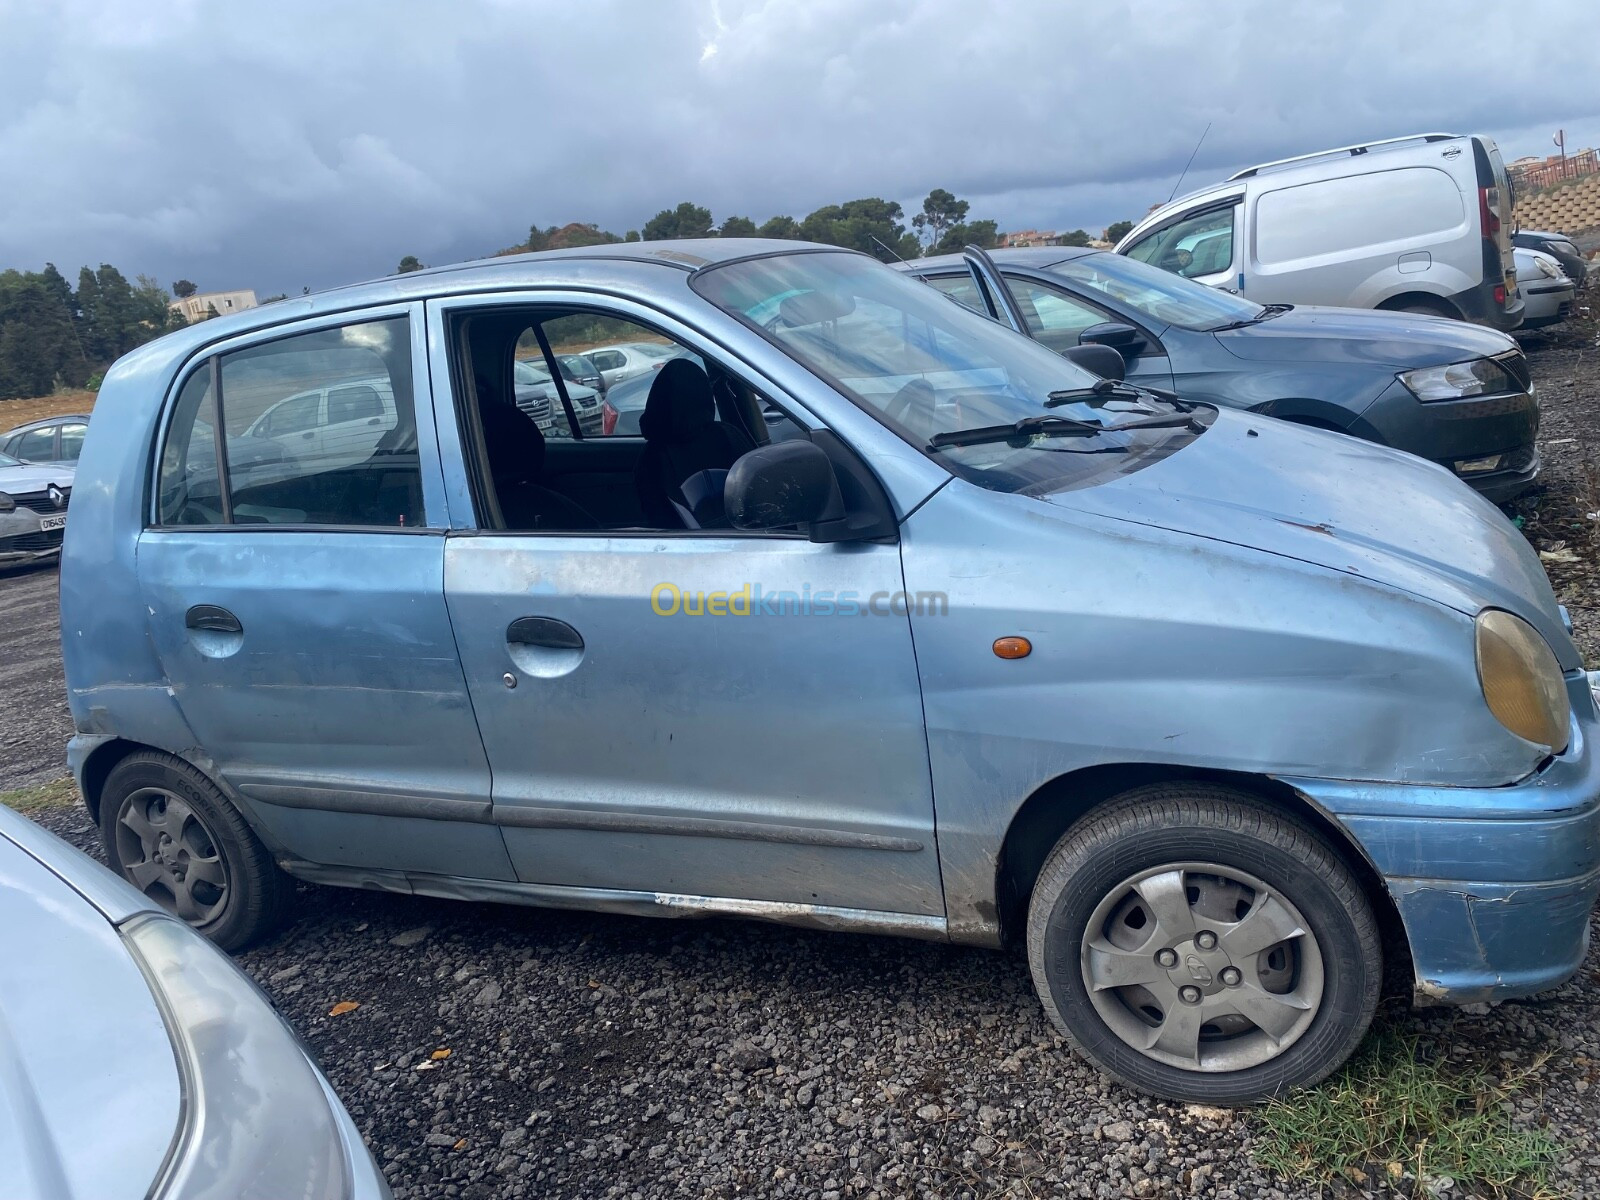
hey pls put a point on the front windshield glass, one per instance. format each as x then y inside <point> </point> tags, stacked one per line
<point>1161,296</point>
<point>7,461</point>
<point>925,366</point>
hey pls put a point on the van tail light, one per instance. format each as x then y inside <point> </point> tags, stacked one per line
<point>1489,214</point>
<point>1499,293</point>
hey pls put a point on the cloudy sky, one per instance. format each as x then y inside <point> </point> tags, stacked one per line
<point>277,144</point>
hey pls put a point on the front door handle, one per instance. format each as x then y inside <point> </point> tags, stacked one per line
<point>543,631</point>
<point>212,619</point>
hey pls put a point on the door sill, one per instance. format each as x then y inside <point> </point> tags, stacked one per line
<point>631,903</point>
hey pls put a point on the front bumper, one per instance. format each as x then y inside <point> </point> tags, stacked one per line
<point>1494,885</point>
<point>1454,432</point>
<point>22,538</point>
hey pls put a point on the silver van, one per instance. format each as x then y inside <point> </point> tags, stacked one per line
<point>1416,224</point>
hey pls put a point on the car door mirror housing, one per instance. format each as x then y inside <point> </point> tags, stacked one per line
<point>1121,337</point>
<point>783,484</point>
<point>1102,360</point>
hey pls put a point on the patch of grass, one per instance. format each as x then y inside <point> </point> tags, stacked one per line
<point>58,793</point>
<point>1394,1110</point>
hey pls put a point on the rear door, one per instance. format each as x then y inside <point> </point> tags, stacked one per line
<point>298,604</point>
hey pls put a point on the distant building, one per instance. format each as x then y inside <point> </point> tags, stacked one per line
<point>202,305</point>
<point>1030,237</point>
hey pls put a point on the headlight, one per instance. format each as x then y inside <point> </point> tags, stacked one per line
<point>1547,268</point>
<point>1521,680</point>
<point>6,502</point>
<point>1479,377</point>
<point>255,1119</point>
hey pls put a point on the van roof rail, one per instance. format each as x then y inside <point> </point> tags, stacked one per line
<point>1361,148</point>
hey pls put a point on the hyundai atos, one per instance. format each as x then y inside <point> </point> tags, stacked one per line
<point>1212,712</point>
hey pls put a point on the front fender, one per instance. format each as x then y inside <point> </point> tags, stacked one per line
<point>1161,648</point>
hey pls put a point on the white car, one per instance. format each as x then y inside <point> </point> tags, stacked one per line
<point>136,1060</point>
<point>334,427</point>
<point>1546,290</point>
<point>629,360</point>
<point>1417,224</point>
<point>33,509</point>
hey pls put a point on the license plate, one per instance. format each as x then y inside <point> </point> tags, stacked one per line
<point>48,523</point>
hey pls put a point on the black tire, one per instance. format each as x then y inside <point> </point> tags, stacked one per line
<point>1164,830</point>
<point>251,897</point>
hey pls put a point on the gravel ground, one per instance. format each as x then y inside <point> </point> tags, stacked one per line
<point>599,1056</point>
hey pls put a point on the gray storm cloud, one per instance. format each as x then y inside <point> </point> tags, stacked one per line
<point>275,145</point>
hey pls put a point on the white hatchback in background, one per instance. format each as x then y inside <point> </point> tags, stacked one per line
<point>33,509</point>
<point>629,360</point>
<point>1418,224</point>
<point>137,1062</point>
<point>1546,290</point>
<point>335,426</point>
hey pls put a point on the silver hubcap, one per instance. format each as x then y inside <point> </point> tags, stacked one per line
<point>1202,967</point>
<point>170,855</point>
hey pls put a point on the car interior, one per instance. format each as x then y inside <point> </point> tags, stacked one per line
<point>697,420</point>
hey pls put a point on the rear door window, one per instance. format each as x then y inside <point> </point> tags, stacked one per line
<point>282,462</point>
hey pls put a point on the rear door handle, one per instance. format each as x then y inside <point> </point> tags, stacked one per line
<point>543,631</point>
<point>212,619</point>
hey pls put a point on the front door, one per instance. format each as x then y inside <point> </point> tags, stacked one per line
<point>701,716</point>
<point>684,714</point>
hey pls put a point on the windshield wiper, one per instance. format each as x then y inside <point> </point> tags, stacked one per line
<point>1268,311</point>
<point>1053,426</point>
<point>1100,389</point>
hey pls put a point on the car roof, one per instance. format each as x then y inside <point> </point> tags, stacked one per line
<point>1037,257</point>
<point>55,420</point>
<point>618,261</point>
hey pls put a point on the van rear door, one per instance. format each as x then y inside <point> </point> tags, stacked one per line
<point>1495,216</point>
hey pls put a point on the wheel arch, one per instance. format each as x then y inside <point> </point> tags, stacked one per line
<point>1056,806</point>
<point>1432,301</point>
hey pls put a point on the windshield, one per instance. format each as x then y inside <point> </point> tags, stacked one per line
<point>925,366</point>
<point>7,461</point>
<point>1159,295</point>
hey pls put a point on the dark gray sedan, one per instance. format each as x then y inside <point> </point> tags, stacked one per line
<point>1456,393</point>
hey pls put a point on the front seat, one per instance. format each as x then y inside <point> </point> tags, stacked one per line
<point>516,464</point>
<point>682,438</point>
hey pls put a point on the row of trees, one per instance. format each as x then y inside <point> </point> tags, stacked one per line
<point>53,335</point>
<point>873,225</point>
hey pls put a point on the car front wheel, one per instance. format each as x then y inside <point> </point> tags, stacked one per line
<point>1198,943</point>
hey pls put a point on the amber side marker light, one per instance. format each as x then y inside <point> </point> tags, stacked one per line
<point>1012,647</point>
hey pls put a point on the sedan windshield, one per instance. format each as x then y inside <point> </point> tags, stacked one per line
<point>1161,296</point>
<point>7,461</point>
<point>926,368</point>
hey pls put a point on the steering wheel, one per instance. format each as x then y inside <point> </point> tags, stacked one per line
<point>916,394</point>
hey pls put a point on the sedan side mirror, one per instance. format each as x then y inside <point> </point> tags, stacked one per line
<point>782,484</point>
<point>1102,360</point>
<point>1121,337</point>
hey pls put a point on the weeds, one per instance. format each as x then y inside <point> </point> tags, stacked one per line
<point>1393,1112</point>
<point>58,793</point>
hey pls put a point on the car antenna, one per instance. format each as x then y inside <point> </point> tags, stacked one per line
<point>881,246</point>
<point>1187,165</point>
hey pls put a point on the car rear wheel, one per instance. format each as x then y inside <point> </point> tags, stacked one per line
<point>170,832</point>
<point>1200,944</point>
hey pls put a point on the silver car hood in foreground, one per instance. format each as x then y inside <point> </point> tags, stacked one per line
<point>89,1091</point>
<point>1342,503</point>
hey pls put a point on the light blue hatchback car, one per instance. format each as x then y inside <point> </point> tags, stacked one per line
<point>889,619</point>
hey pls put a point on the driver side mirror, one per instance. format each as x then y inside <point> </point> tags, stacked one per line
<point>782,484</point>
<point>1121,337</point>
